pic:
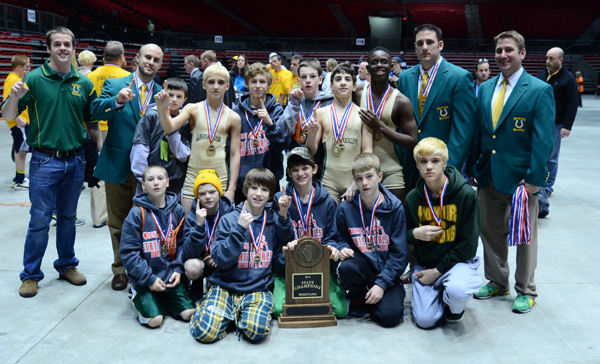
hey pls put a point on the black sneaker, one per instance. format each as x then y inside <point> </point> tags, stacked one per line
<point>453,318</point>
<point>357,308</point>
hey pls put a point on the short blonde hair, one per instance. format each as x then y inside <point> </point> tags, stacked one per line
<point>86,58</point>
<point>258,69</point>
<point>431,146</point>
<point>215,70</point>
<point>365,162</point>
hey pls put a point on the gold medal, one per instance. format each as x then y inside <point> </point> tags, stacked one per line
<point>256,258</point>
<point>302,138</point>
<point>370,246</point>
<point>336,151</point>
<point>377,136</point>
<point>305,131</point>
<point>255,143</point>
<point>165,250</point>
<point>211,151</point>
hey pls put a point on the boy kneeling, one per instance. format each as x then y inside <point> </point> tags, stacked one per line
<point>200,227</point>
<point>246,242</point>
<point>372,229</point>
<point>444,222</point>
<point>152,254</point>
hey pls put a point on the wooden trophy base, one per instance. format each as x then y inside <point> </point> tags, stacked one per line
<point>307,315</point>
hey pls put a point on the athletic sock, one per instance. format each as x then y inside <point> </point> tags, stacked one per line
<point>19,176</point>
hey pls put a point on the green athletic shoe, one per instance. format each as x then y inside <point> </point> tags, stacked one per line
<point>522,304</point>
<point>487,292</point>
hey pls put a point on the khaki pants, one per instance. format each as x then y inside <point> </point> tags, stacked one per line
<point>119,199</point>
<point>495,212</point>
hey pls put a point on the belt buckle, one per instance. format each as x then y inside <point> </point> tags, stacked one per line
<point>60,154</point>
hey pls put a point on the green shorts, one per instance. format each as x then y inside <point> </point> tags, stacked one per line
<point>172,301</point>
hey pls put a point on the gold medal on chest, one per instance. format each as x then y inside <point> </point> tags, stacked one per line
<point>255,143</point>
<point>211,151</point>
<point>256,258</point>
<point>377,136</point>
<point>336,150</point>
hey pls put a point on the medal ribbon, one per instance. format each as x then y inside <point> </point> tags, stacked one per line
<point>520,229</point>
<point>303,119</point>
<point>382,102</point>
<point>148,94</point>
<point>304,218</point>
<point>438,220</point>
<point>432,74</point>
<point>340,129</point>
<point>368,230</point>
<point>256,241</point>
<point>212,132</point>
<point>210,232</point>
<point>164,233</point>
<point>255,131</point>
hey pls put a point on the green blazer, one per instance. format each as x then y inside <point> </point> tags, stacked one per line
<point>521,144</point>
<point>447,114</point>
<point>113,164</point>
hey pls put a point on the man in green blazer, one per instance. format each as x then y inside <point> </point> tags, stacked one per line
<point>511,151</point>
<point>443,100</point>
<point>123,102</point>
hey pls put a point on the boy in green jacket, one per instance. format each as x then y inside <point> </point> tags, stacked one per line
<point>443,218</point>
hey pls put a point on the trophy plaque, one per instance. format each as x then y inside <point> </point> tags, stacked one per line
<point>307,286</point>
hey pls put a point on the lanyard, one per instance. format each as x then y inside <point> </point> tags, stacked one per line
<point>165,233</point>
<point>210,232</point>
<point>212,132</point>
<point>255,130</point>
<point>425,91</point>
<point>148,94</point>
<point>368,230</point>
<point>304,218</point>
<point>340,129</point>
<point>303,119</point>
<point>382,102</point>
<point>438,220</point>
<point>256,240</point>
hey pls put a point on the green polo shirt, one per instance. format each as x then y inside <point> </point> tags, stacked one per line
<point>58,108</point>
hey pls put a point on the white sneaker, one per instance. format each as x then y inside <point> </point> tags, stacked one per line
<point>21,186</point>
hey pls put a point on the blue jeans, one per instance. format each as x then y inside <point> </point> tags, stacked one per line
<point>553,160</point>
<point>51,180</point>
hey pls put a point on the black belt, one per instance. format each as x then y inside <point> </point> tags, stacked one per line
<point>58,153</point>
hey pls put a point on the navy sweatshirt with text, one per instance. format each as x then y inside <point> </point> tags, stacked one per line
<point>388,256</point>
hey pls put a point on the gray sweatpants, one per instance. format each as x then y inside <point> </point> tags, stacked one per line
<point>453,288</point>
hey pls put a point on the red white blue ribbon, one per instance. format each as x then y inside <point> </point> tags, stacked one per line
<point>256,241</point>
<point>339,129</point>
<point>212,131</point>
<point>304,218</point>
<point>148,94</point>
<point>165,233</point>
<point>382,102</point>
<point>425,91</point>
<point>303,119</point>
<point>520,229</point>
<point>438,220</point>
<point>255,131</point>
<point>210,232</point>
<point>368,230</point>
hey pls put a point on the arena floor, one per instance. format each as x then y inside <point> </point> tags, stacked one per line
<point>94,324</point>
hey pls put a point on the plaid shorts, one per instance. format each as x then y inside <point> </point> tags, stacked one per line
<point>251,313</point>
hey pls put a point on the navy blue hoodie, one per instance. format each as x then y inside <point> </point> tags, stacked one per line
<point>322,222</point>
<point>233,251</point>
<point>140,243</point>
<point>195,235</point>
<point>389,256</point>
<point>271,141</point>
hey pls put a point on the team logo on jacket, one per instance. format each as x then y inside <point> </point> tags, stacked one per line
<point>443,110</point>
<point>76,89</point>
<point>247,258</point>
<point>379,239</point>
<point>519,122</point>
